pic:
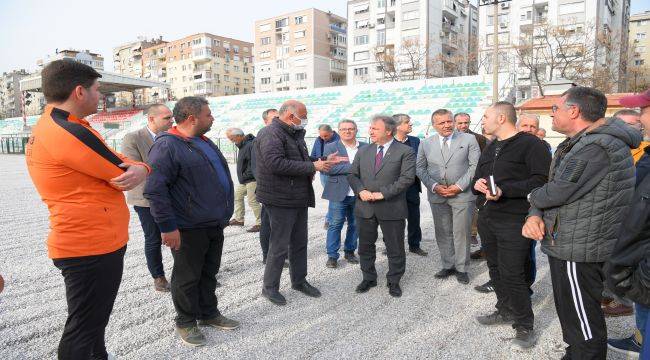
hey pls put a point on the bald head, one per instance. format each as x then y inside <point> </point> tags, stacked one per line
<point>293,112</point>
<point>159,118</point>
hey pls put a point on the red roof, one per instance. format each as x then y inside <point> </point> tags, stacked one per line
<point>545,102</point>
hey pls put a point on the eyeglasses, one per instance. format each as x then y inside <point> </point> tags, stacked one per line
<point>554,108</point>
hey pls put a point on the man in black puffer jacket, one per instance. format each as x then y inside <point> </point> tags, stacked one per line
<point>284,172</point>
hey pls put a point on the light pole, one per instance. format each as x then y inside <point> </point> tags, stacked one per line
<point>495,60</point>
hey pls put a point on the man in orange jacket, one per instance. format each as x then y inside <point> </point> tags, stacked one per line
<point>81,181</point>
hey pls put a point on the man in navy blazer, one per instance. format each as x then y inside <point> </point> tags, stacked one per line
<point>404,128</point>
<point>340,195</point>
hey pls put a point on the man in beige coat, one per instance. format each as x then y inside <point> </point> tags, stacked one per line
<point>136,146</point>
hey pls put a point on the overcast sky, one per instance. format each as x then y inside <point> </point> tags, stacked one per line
<point>32,29</point>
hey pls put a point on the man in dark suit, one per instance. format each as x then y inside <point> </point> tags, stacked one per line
<point>136,146</point>
<point>402,131</point>
<point>380,175</point>
<point>341,197</point>
<point>463,121</point>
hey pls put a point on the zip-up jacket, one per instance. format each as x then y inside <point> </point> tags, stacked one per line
<point>184,191</point>
<point>71,167</point>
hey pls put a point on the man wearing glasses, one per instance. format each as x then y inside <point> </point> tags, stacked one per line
<point>341,197</point>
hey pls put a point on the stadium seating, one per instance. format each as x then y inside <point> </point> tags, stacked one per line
<point>418,98</point>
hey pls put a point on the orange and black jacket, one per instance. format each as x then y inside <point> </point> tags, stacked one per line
<point>71,167</point>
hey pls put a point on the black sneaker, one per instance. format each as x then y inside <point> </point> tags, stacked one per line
<point>628,346</point>
<point>274,297</point>
<point>525,338</point>
<point>331,263</point>
<point>485,288</point>
<point>496,318</point>
<point>418,251</point>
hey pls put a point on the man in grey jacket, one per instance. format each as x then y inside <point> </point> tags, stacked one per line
<point>446,163</point>
<point>577,214</point>
<point>136,146</point>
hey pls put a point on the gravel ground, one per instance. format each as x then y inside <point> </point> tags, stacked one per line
<point>434,319</point>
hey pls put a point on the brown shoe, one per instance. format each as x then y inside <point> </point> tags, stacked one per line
<point>477,255</point>
<point>161,284</point>
<point>615,308</point>
<point>254,229</point>
<point>235,222</point>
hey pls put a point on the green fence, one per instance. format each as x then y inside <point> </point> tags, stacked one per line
<point>13,144</point>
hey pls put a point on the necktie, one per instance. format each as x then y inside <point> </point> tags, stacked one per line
<point>379,157</point>
<point>445,147</point>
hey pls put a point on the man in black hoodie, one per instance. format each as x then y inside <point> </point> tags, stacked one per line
<point>518,163</point>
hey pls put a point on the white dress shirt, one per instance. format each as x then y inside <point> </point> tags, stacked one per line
<point>352,152</point>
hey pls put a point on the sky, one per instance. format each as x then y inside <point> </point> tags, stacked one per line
<point>32,29</point>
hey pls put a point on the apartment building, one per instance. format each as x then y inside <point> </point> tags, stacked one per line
<point>300,50</point>
<point>201,64</point>
<point>392,40</point>
<point>639,52</point>
<point>128,60</point>
<point>10,97</point>
<point>521,22</point>
<point>83,56</point>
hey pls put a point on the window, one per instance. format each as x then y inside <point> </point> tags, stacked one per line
<point>410,15</point>
<point>281,23</point>
<point>299,20</point>
<point>362,55</point>
<point>639,62</point>
<point>265,27</point>
<point>196,41</point>
<point>381,37</point>
<point>640,36</point>
<point>361,40</point>
<point>266,80</point>
<point>361,24</point>
<point>361,71</point>
<point>301,76</point>
<point>226,78</point>
<point>361,9</point>
<point>299,34</point>
<point>572,8</point>
<point>265,40</point>
<point>300,48</point>
<point>283,78</point>
<point>281,64</point>
<point>381,3</point>
<point>265,54</point>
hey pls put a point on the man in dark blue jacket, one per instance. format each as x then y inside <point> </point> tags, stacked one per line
<point>404,127</point>
<point>191,199</point>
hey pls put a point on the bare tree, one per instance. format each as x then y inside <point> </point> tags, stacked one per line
<point>407,62</point>
<point>568,51</point>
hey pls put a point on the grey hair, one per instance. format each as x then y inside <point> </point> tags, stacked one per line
<point>591,102</point>
<point>189,105</point>
<point>462,114</point>
<point>325,127</point>
<point>349,122</point>
<point>286,107</point>
<point>388,121</point>
<point>266,112</point>
<point>530,116</point>
<point>235,131</point>
<point>401,118</point>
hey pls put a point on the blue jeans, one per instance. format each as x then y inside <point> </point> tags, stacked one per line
<point>152,242</point>
<point>323,181</point>
<point>642,323</point>
<point>341,210</point>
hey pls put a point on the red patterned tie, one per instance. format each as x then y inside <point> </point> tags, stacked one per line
<point>379,157</point>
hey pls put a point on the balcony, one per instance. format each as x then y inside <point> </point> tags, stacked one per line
<point>336,28</point>
<point>202,92</point>
<point>448,27</point>
<point>202,76</point>
<point>449,43</point>
<point>202,58</point>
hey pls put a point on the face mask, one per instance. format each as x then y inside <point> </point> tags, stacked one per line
<point>302,125</point>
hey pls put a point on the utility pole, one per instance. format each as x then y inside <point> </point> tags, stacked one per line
<point>495,46</point>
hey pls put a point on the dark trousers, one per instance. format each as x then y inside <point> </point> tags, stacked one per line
<point>393,232</point>
<point>91,284</point>
<point>413,220</point>
<point>508,259</point>
<point>193,283</point>
<point>577,290</point>
<point>152,242</point>
<point>288,237</point>
<point>265,231</point>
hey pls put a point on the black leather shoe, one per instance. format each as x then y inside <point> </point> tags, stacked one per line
<point>444,273</point>
<point>419,251</point>
<point>307,289</point>
<point>274,297</point>
<point>462,277</point>
<point>365,285</point>
<point>394,290</point>
<point>331,263</point>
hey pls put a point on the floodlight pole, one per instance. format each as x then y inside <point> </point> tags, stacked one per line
<point>495,45</point>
